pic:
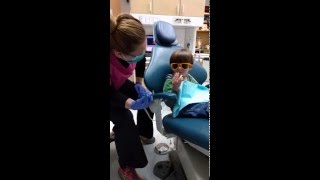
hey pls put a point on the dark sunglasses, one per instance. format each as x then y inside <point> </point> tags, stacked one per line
<point>175,66</point>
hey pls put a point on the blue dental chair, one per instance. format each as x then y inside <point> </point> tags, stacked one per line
<point>192,134</point>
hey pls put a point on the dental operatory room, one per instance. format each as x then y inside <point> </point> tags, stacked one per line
<point>159,75</point>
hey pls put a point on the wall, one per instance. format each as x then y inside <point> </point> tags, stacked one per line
<point>115,6</point>
<point>207,3</point>
<point>180,33</point>
<point>125,6</point>
<point>190,36</point>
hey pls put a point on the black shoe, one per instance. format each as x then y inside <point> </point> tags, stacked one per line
<point>145,140</point>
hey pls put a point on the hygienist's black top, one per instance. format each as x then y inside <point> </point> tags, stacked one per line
<point>117,98</point>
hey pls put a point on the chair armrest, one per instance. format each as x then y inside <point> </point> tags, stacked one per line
<point>169,98</point>
<point>165,96</point>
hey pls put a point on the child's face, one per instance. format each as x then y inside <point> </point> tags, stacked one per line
<point>182,68</point>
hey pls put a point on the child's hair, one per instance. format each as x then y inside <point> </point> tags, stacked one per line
<point>126,33</point>
<point>181,56</point>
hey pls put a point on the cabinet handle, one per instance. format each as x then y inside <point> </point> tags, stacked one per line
<point>150,7</point>
<point>178,10</point>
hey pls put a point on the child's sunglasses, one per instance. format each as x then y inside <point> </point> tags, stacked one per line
<point>175,66</point>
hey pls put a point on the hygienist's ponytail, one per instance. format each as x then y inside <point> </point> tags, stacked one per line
<point>126,33</point>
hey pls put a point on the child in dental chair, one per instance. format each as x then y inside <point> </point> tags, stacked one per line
<point>181,62</point>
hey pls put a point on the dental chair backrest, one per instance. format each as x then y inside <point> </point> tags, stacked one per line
<point>165,44</point>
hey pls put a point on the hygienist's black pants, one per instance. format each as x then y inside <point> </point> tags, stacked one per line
<point>129,148</point>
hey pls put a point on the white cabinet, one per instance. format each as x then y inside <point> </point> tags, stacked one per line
<point>141,6</point>
<point>166,7</point>
<point>191,8</point>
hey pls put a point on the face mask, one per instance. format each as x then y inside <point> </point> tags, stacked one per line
<point>136,59</point>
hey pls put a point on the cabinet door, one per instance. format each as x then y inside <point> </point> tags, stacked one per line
<point>141,6</point>
<point>193,8</point>
<point>166,7</point>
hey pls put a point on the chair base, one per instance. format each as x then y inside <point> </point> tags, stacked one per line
<point>194,163</point>
<point>200,149</point>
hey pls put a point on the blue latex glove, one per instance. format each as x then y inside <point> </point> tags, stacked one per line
<point>141,103</point>
<point>141,90</point>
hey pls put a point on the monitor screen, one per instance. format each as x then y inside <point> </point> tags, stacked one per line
<point>150,40</point>
<point>150,43</point>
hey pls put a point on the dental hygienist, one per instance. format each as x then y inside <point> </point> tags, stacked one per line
<point>128,44</point>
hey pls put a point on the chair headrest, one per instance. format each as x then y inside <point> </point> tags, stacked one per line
<point>164,33</point>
